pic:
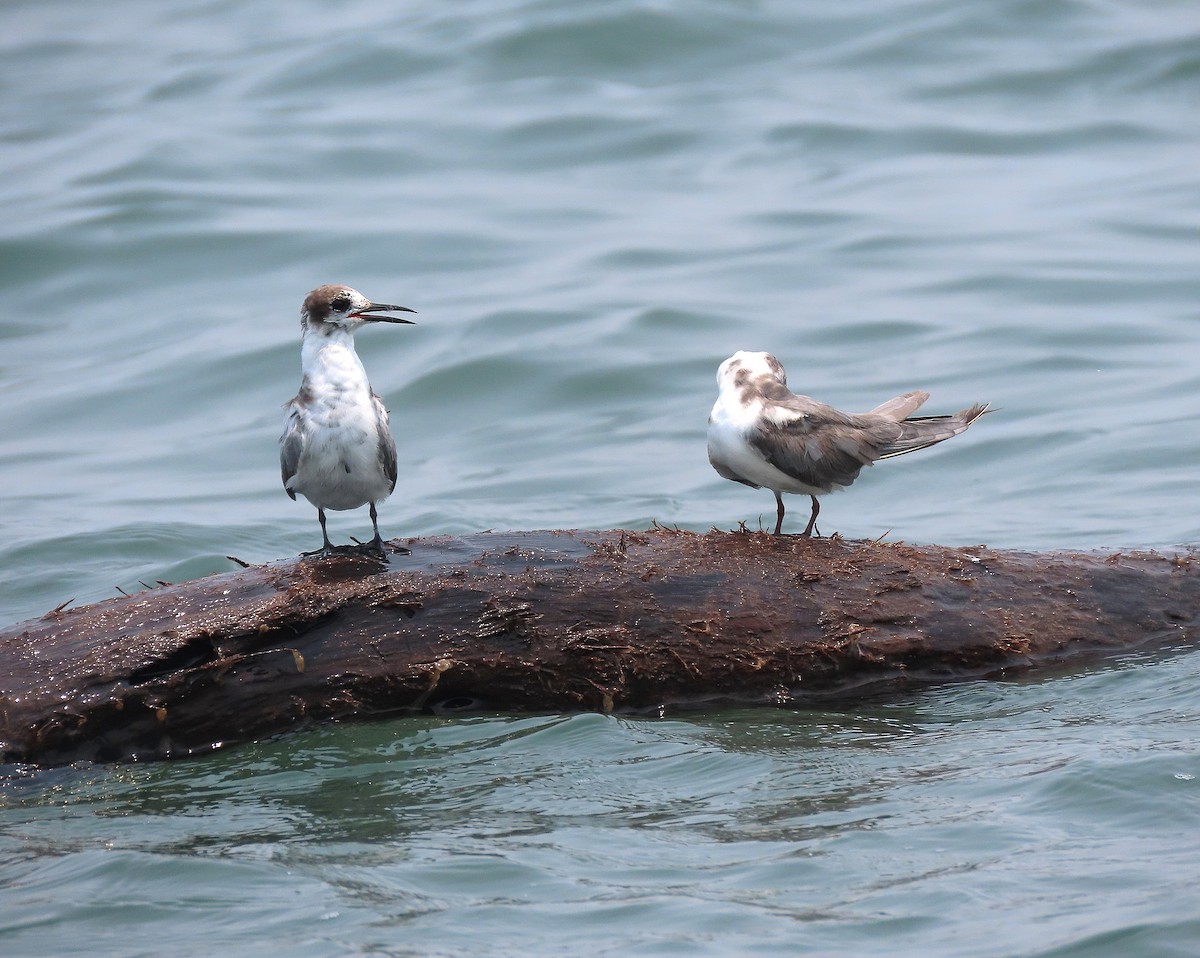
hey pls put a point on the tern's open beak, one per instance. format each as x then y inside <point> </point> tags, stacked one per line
<point>381,308</point>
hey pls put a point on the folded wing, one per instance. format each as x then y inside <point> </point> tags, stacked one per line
<point>825,448</point>
<point>387,445</point>
<point>291,445</point>
<point>818,445</point>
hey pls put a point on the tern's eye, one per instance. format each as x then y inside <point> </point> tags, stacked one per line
<point>341,302</point>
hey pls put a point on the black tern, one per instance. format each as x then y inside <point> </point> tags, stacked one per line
<point>337,448</point>
<point>762,434</point>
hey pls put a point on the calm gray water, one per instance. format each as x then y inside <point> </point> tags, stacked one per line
<point>591,205</point>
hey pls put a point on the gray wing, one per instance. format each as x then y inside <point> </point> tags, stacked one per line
<point>924,431</point>
<point>387,445</point>
<point>291,446</point>
<point>818,445</point>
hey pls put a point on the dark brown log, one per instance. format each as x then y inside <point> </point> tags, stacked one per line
<point>546,621</point>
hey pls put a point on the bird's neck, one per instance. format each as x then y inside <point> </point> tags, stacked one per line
<point>328,356</point>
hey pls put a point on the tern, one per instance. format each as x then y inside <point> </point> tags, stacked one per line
<point>337,448</point>
<point>762,434</point>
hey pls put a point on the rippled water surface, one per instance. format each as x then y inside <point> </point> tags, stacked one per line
<point>1049,818</point>
<point>591,205</point>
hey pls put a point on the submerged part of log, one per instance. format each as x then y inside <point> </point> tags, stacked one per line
<point>549,621</point>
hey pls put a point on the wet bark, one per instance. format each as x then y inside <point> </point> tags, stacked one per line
<point>547,621</point>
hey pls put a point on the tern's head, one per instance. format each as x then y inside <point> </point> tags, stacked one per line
<point>745,369</point>
<point>328,308</point>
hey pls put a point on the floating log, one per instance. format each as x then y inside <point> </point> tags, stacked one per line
<point>649,621</point>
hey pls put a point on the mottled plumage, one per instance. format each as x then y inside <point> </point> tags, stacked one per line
<point>337,448</point>
<point>762,434</point>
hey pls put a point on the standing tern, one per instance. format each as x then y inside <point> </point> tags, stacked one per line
<point>762,434</point>
<point>337,449</point>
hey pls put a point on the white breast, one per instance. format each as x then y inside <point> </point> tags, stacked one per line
<point>340,466</point>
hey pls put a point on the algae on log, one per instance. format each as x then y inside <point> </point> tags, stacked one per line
<point>552,621</point>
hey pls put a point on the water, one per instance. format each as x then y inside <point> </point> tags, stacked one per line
<point>591,205</point>
<point>1041,818</point>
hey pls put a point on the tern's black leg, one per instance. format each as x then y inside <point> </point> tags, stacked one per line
<point>327,548</point>
<point>778,513</point>
<point>327,545</point>
<point>812,520</point>
<point>377,543</point>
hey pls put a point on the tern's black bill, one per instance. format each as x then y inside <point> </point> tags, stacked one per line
<point>382,308</point>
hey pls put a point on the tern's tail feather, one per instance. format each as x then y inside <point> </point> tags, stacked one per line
<point>928,430</point>
<point>902,406</point>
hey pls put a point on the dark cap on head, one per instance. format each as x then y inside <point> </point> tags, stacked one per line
<point>333,303</point>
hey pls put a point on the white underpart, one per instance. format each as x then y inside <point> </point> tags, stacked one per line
<point>340,429</point>
<point>731,453</point>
